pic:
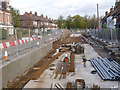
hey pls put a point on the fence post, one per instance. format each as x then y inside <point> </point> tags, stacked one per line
<point>16,42</point>
<point>37,31</point>
<point>1,54</point>
<point>29,38</point>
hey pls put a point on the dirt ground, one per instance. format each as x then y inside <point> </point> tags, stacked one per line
<point>67,40</point>
<point>22,80</point>
<point>101,51</point>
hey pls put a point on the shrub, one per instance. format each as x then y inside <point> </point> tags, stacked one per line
<point>19,35</point>
<point>3,34</point>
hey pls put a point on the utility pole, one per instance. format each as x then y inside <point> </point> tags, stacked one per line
<point>98,15</point>
<point>98,18</point>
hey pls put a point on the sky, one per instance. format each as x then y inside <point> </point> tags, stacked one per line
<point>55,8</point>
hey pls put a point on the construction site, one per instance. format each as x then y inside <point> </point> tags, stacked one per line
<point>75,61</point>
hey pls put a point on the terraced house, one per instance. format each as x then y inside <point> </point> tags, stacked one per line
<point>30,20</point>
<point>112,18</point>
<point>6,16</point>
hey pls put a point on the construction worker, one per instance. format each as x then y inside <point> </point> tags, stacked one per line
<point>84,60</point>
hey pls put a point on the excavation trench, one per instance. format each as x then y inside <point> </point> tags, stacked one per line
<point>35,72</point>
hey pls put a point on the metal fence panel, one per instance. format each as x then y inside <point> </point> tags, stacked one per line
<point>109,35</point>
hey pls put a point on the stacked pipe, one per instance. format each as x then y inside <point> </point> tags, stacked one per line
<point>107,70</point>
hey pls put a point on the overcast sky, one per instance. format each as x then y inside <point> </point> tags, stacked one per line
<point>54,8</point>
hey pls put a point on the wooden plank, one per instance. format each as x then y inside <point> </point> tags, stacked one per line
<point>72,63</point>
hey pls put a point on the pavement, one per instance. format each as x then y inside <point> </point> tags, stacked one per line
<point>81,72</point>
<point>22,49</point>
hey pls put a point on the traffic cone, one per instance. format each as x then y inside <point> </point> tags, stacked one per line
<point>66,57</point>
<point>6,55</point>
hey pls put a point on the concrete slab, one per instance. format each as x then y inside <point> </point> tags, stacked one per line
<point>81,72</point>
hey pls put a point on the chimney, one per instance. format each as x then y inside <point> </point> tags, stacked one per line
<point>111,9</point>
<point>42,15</point>
<point>26,13</point>
<point>35,13</point>
<point>106,13</point>
<point>30,13</point>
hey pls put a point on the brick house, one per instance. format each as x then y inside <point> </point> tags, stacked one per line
<point>112,18</point>
<point>6,16</point>
<point>29,20</point>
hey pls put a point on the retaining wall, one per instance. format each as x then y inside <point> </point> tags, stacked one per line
<point>19,65</point>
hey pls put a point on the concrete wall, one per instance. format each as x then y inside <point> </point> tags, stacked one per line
<point>21,64</point>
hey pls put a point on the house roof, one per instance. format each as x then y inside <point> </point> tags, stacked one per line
<point>39,18</point>
<point>32,17</point>
<point>26,16</point>
<point>114,13</point>
<point>29,17</point>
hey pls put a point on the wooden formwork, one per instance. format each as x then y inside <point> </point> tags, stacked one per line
<point>72,62</point>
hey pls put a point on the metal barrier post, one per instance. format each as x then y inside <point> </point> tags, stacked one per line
<point>37,35</point>
<point>1,54</point>
<point>16,42</point>
<point>29,38</point>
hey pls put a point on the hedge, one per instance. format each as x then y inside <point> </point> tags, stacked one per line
<point>3,34</point>
<point>19,35</point>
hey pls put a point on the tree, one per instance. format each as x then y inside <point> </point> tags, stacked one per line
<point>92,21</point>
<point>15,17</point>
<point>60,21</point>
<point>117,4</point>
<point>86,20</point>
<point>78,22</point>
<point>68,22</point>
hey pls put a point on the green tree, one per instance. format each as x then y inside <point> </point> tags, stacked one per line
<point>92,21</point>
<point>68,22</point>
<point>60,21</point>
<point>86,20</point>
<point>117,4</point>
<point>78,22</point>
<point>104,25</point>
<point>15,17</point>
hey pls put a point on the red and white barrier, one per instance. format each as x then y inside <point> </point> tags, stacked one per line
<point>13,43</point>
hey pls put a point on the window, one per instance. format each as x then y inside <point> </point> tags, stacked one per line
<point>0,4</point>
<point>35,23</point>
<point>41,23</point>
<point>4,5</point>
